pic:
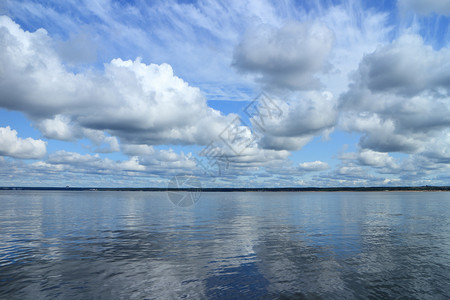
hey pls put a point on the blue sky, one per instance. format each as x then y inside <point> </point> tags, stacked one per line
<point>243,93</point>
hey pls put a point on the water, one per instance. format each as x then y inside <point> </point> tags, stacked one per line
<point>122,245</point>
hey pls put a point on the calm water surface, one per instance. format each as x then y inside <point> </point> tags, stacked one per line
<point>122,245</point>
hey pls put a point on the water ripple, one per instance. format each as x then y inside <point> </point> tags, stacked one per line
<point>229,245</point>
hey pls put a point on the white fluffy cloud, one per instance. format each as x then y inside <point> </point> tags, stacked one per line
<point>136,102</point>
<point>139,104</point>
<point>313,166</point>
<point>161,162</point>
<point>58,128</point>
<point>376,159</point>
<point>94,162</point>
<point>414,169</point>
<point>286,57</point>
<point>439,148</point>
<point>14,146</point>
<point>255,157</point>
<point>367,157</point>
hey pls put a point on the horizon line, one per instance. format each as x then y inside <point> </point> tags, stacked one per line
<point>236,189</point>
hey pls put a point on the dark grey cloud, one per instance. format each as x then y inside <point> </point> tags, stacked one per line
<point>302,116</point>
<point>407,67</point>
<point>399,98</point>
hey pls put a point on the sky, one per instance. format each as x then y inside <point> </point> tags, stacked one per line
<point>245,93</point>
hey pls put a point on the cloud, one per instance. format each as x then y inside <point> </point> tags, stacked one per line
<point>165,163</point>
<point>138,104</point>
<point>423,167</point>
<point>426,7</point>
<point>375,159</point>
<point>313,166</point>
<point>301,117</point>
<point>162,162</point>
<point>438,149</point>
<point>220,160</point>
<point>13,146</point>
<point>94,162</point>
<point>414,169</point>
<point>130,100</point>
<point>203,31</point>
<point>286,57</point>
<point>381,161</point>
<point>135,150</point>
<point>255,157</point>
<point>58,128</point>
<point>64,157</point>
<point>154,107</point>
<point>407,67</point>
<point>103,142</point>
<point>399,98</point>
<point>381,134</point>
<point>348,174</point>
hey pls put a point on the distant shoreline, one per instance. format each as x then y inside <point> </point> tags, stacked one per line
<point>288,189</point>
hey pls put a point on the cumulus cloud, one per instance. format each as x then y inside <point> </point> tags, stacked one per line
<point>348,174</point>
<point>425,7</point>
<point>58,128</point>
<point>94,161</point>
<point>438,149</point>
<point>255,157</point>
<point>381,134</point>
<point>376,159</point>
<point>296,56</point>
<point>313,166</point>
<point>407,67</point>
<point>204,31</point>
<point>136,102</point>
<point>423,167</point>
<point>64,157</point>
<point>137,149</point>
<point>380,168</point>
<point>104,143</point>
<point>161,162</point>
<point>302,116</point>
<point>130,103</point>
<point>14,146</point>
<point>286,57</point>
<point>220,160</point>
<point>399,99</point>
<point>352,171</point>
<point>369,158</point>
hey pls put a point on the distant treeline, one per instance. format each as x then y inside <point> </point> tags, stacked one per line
<point>288,189</point>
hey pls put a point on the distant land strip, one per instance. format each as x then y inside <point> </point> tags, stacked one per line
<point>286,189</point>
